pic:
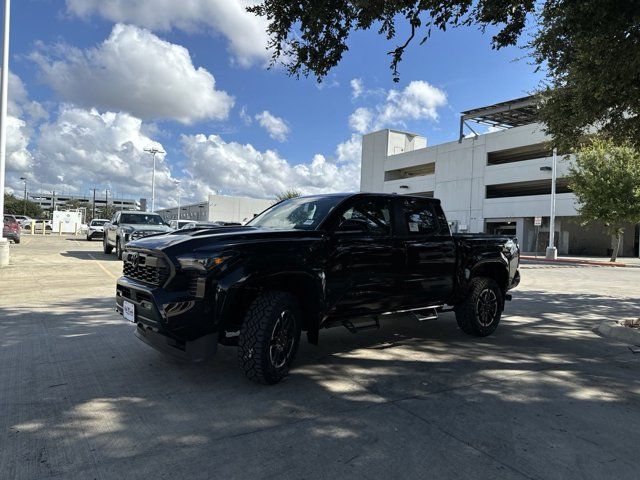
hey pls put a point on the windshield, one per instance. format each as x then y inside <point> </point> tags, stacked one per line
<point>304,213</point>
<point>98,223</point>
<point>140,219</point>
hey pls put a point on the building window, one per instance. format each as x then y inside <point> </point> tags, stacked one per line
<point>521,189</point>
<point>520,154</point>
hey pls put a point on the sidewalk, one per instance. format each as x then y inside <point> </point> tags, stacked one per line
<point>604,261</point>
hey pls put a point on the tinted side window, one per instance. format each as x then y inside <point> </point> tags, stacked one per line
<point>420,217</point>
<point>375,214</point>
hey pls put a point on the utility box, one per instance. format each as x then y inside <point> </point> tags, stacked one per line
<point>66,222</point>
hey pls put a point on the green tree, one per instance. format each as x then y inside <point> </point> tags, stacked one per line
<point>605,178</point>
<point>590,49</point>
<point>287,194</point>
<point>16,206</point>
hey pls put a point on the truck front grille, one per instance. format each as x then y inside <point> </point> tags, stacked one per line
<point>145,268</point>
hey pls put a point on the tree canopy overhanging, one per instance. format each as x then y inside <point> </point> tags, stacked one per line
<point>589,49</point>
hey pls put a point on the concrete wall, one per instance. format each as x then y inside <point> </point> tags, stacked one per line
<point>462,174</point>
<point>236,209</point>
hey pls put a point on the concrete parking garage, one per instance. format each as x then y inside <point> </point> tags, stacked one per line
<point>544,397</point>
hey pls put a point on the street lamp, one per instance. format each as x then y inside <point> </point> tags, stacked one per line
<point>24,209</point>
<point>552,252</point>
<point>177,183</point>
<point>4,86</point>
<point>153,152</point>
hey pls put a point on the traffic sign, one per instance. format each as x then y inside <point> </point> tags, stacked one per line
<point>537,221</point>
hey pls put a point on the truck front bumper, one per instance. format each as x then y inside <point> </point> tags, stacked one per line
<point>171,322</point>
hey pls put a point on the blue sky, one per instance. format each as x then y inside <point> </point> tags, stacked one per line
<point>227,123</point>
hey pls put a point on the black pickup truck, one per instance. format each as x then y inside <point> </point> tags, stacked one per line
<point>306,264</point>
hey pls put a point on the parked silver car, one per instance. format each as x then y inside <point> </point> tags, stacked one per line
<point>96,228</point>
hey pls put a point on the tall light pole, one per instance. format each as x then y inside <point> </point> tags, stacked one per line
<point>93,214</point>
<point>4,85</point>
<point>153,151</point>
<point>552,251</point>
<point>177,183</point>
<point>24,208</point>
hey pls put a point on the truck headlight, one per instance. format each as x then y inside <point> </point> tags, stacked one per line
<point>136,235</point>
<point>201,262</point>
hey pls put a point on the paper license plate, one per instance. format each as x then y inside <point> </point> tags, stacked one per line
<point>129,311</point>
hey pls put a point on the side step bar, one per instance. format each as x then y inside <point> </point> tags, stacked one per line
<point>426,315</point>
<point>368,324</point>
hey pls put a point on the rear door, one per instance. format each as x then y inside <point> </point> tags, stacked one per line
<point>430,252</point>
<point>365,259</point>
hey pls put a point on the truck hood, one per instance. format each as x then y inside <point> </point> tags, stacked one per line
<point>181,241</point>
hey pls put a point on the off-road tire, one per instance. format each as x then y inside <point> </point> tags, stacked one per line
<point>119,248</point>
<point>106,248</point>
<point>255,340</point>
<point>469,313</point>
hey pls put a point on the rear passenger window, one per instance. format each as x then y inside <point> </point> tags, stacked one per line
<point>374,215</point>
<point>419,217</point>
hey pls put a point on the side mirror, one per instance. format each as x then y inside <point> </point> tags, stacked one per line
<point>352,225</point>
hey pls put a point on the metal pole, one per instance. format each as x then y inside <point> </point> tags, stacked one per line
<point>552,251</point>
<point>153,152</point>
<point>177,182</point>
<point>93,214</point>
<point>24,208</point>
<point>4,85</point>
<point>153,184</point>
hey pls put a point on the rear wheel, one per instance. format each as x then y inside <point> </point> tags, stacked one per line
<point>269,337</point>
<point>106,248</point>
<point>480,313</point>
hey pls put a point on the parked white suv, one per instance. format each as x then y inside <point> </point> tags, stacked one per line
<point>96,228</point>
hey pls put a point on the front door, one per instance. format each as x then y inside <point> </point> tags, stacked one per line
<point>364,266</point>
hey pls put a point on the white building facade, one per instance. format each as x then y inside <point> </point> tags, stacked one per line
<point>497,182</point>
<point>219,208</point>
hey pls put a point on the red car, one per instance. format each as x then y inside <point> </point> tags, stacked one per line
<point>11,228</point>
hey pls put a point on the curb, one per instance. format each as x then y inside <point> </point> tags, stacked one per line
<point>579,262</point>
<point>610,329</point>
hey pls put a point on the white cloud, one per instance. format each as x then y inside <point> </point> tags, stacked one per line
<point>356,87</point>
<point>90,149</point>
<point>135,71</point>
<point>19,158</point>
<point>236,169</point>
<point>417,101</point>
<point>22,114</point>
<point>245,117</point>
<point>276,126</point>
<point>245,32</point>
<point>360,120</point>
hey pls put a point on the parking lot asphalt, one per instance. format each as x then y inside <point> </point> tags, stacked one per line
<point>543,398</point>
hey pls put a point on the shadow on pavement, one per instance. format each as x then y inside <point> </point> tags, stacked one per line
<point>542,398</point>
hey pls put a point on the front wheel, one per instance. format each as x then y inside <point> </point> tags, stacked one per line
<point>119,248</point>
<point>106,248</point>
<point>480,312</point>
<point>269,337</point>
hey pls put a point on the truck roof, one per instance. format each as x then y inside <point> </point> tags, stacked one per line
<point>373,194</point>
